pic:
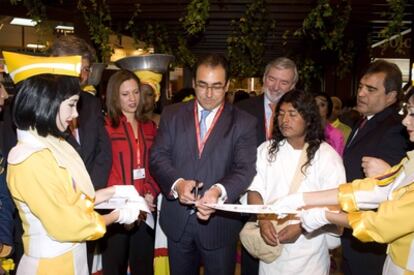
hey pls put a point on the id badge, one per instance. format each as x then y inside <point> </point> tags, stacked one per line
<point>139,173</point>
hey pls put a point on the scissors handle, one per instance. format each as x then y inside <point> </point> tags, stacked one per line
<point>196,189</point>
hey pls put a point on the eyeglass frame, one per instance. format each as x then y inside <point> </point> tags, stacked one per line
<point>202,86</point>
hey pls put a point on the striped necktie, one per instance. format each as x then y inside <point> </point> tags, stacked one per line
<point>203,126</point>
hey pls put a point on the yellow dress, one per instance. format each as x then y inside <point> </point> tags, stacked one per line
<point>57,217</point>
<point>393,222</point>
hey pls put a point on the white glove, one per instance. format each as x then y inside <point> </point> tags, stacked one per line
<point>127,215</point>
<point>371,199</point>
<point>126,191</point>
<point>313,219</point>
<point>289,203</point>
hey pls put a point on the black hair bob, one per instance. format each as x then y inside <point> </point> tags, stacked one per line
<point>38,100</point>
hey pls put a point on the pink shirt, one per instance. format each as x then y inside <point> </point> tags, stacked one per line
<point>335,138</point>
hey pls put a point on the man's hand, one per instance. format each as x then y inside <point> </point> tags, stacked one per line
<point>149,199</point>
<point>184,190</point>
<point>374,166</point>
<point>268,232</point>
<point>210,196</point>
<point>290,233</point>
<point>129,227</point>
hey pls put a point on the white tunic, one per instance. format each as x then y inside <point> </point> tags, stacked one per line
<point>309,254</point>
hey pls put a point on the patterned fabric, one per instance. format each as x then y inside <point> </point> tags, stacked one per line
<point>161,261</point>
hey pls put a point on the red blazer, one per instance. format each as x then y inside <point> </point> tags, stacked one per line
<point>125,157</point>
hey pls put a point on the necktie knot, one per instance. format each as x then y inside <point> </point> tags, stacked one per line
<point>272,107</point>
<point>203,125</point>
<point>362,123</point>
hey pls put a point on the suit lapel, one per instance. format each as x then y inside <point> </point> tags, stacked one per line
<point>370,125</point>
<point>261,115</point>
<point>189,129</point>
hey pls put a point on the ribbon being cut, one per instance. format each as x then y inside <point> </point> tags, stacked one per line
<point>253,209</point>
<point>127,196</point>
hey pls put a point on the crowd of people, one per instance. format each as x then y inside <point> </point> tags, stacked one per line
<point>283,147</point>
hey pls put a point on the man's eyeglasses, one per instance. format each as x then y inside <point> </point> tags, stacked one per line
<point>203,87</point>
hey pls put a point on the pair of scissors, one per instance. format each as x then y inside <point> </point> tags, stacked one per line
<point>196,189</point>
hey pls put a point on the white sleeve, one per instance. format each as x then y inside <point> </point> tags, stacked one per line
<point>259,181</point>
<point>332,170</point>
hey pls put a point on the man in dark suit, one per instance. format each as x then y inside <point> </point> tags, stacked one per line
<point>88,135</point>
<point>6,205</point>
<point>380,135</point>
<point>205,140</point>
<point>280,76</point>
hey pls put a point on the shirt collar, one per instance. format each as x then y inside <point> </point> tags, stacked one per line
<point>200,108</point>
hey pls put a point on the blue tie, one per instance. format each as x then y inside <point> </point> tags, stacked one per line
<point>203,126</point>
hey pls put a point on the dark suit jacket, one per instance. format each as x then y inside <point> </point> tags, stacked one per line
<point>255,107</point>
<point>384,137</point>
<point>6,209</point>
<point>229,158</point>
<point>9,136</point>
<point>95,146</point>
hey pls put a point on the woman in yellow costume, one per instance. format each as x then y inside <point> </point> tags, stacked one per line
<point>150,87</point>
<point>46,177</point>
<point>392,194</point>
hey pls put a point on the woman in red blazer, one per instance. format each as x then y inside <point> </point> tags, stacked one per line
<point>131,136</point>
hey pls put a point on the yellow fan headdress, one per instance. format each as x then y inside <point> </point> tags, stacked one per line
<point>151,78</point>
<point>22,66</point>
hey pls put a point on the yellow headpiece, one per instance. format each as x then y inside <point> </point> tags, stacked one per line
<point>22,66</point>
<point>151,78</point>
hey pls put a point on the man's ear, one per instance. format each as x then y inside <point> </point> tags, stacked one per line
<point>391,97</point>
<point>226,87</point>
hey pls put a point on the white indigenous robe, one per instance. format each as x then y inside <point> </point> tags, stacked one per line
<point>56,213</point>
<point>309,254</point>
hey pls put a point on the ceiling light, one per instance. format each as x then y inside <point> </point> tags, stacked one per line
<point>23,22</point>
<point>65,28</point>
<point>35,46</point>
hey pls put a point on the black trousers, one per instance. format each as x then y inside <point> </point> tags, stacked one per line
<point>18,249</point>
<point>121,246</point>
<point>249,265</point>
<point>90,252</point>
<point>361,258</point>
<point>186,255</point>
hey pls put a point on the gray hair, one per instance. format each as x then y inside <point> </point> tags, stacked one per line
<point>282,63</point>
